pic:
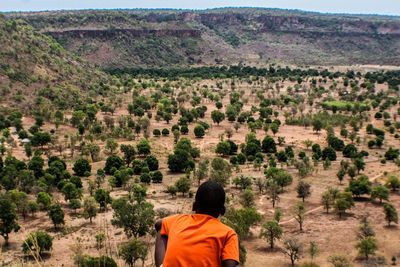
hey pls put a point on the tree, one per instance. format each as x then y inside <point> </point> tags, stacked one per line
<point>367,246</point>
<point>268,145</point>
<point>129,153</point>
<point>329,153</point>
<point>380,192</point>
<point>44,200</point>
<point>56,215</point>
<point>71,192</point>
<point>90,208</point>
<point>36,243</point>
<point>102,197</point>
<point>113,162</point>
<point>36,165</point>
<point>360,186</point>
<point>273,190</point>
<point>313,250</point>
<point>220,171</point>
<point>271,231</point>
<point>217,116</point>
<point>393,182</point>
<point>293,249</point>
<point>8,218</point>
<point>82,167</point>
<point>136,218</point>
<point>299,213</point>
<point>241,220</point>
<point>143,147</point>
<point>199,131</point>
<point>343,202</point>
<point>359,164</point>
<point>280,176</point>
<point>75,204</point>
<point>157,177</point>
<point>339,261</point>
<point>350,151</point>
<point>327,200</point>
<point>390,213</point>
<point>133,250</point>
<point>223,148</point>
<point>183,185</point>
<point>303,190</point>
<point>111,146</point>
<point>317,125</point>
<point>247,198</point>
<point>202,170</point>
<point>340,175</point>
<point>152,162</point>
<point>243,182</point>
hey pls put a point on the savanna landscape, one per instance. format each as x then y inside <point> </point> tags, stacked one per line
<point>110,120</point>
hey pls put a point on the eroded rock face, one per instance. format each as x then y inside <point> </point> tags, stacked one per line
<point>111,33</point>
<point>226,36</point>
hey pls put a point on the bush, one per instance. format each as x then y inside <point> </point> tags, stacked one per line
<point>89,261</point>
<point>82,167</point>
<point>113,162</point>
<point>152,162</point>
<point>156,132</point>
<point>37,242</point>
<point>165,132</point>
<point>157,177</point>
<point>199,131</point>
<point>145,178</point>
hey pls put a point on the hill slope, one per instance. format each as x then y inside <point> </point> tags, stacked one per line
<point>35,70</point>
<point>130,38</point>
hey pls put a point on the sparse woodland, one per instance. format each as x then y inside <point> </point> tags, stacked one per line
<point>309,158</point>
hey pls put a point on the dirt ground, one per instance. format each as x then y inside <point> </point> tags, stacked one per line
<point>334,236</point>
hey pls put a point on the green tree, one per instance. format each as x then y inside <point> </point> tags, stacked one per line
<point>8,218</point>
<point>44,200</point>
<point>71,192</point>
<point>293,249</point>
<point>343,202</point>
<point>268,145</point>
<point>90,208</point>
<point>303,190</point>
<point>199,131</point>
<point>223,148</point>
<point>129,153</point>
<point>217,116</point>
<point>111,146</point>
<point>299,213</point>
<point>367,246</point>
<point>380,192</point>
<point>241,220</point>
<point>56,215</point>
<point>136,218</point>
<point>220,171</point>
<point>82,167</point>
<point>102,197</point>
<point>271,231</point>
<point>390,213</point>
<point>183,185</point>
<point>393,182</point>
<point>75,204</point>
<point>143,147</point>
<point>36,243</point>
<point>133,250</point>
<point>247,198</point>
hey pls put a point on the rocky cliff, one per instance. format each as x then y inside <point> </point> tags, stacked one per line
<point>129,38</point>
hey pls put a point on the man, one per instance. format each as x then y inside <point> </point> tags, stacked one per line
<point>200,239</point>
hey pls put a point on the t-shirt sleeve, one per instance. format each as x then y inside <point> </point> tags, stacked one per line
<point>167,224</point>
<point>231,249</point>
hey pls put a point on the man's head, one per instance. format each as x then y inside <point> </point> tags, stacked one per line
<point>210,199</point>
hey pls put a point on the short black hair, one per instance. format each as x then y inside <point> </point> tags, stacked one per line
<point>210,199</point>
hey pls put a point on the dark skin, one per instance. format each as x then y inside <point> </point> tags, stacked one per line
<point>162,241</point>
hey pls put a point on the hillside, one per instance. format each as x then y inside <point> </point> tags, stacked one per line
<point>36,71</point>
<point>131,38</point>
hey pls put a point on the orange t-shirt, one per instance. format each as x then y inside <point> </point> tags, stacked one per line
<point>198,240</point>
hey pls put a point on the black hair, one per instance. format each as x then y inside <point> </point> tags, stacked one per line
<point>210,199</point>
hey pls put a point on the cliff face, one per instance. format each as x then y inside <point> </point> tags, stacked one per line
<point>130,38</point>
